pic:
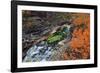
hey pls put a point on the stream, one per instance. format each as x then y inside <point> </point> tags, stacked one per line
<point>43,51</point>
<point>40,52</point>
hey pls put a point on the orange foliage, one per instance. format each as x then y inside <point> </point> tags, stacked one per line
<point>81,39</point>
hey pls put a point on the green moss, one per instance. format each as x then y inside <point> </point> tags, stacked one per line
<point>54,39</point>
<point>57,36</point>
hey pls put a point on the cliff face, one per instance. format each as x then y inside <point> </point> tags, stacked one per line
<point>38,26</point>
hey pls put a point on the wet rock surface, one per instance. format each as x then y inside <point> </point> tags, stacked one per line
<point>46,51</point>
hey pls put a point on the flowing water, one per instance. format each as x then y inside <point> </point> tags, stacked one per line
<point>42,51</point>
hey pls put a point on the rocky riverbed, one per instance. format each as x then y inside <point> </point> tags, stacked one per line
<point>54,36</point>
<point>44,51</point>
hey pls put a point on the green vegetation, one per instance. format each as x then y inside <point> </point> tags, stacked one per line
<point>57,36</point>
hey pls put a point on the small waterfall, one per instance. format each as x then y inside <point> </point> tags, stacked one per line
<point>40,52</point>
